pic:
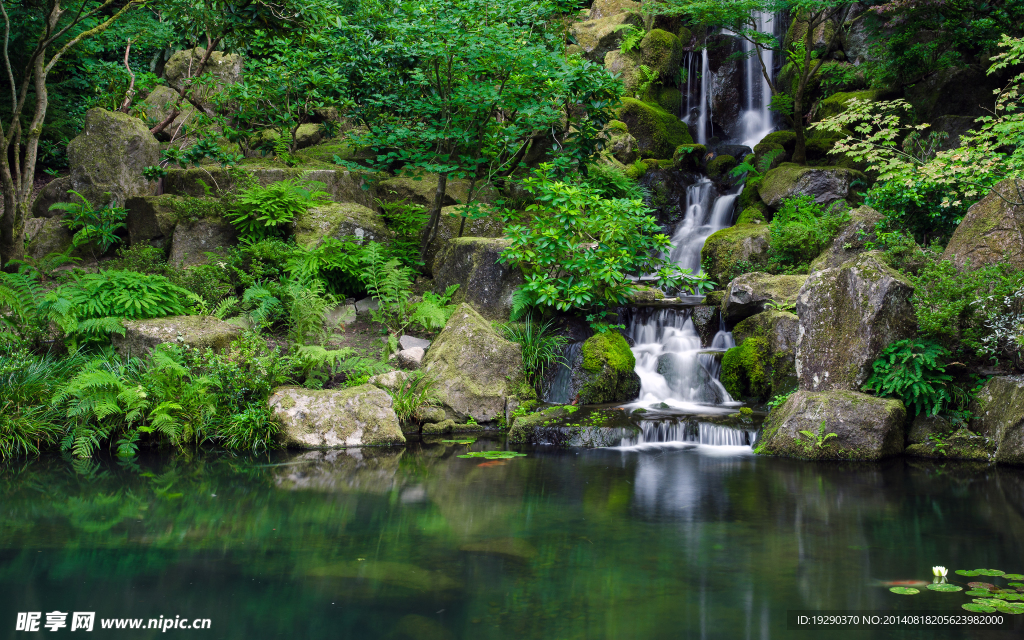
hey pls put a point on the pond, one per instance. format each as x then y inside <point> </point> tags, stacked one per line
<point>669,540</point>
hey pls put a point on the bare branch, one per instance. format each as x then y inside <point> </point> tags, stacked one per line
<point>130,93</point>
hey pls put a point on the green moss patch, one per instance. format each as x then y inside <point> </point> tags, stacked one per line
<point>658,132</point>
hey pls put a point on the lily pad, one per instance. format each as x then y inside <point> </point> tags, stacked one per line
<point>461,441</point>
<point>1014,608</point>
<point>1013,576</point>
<point>965,572</point>
<point>979,592</point>
<point>981,585</point>
<point>989,572</point>
<point>904,591</point>
<point>945,588</point>
<point>1016,584</point>
<point>978,608</point>
<point>493,455</point>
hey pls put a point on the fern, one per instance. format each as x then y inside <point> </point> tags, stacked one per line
<point>125,294</point>
<point>631,38</point>
<point>308,305</point>
<point>435,310</point>
<point>98,226</point>
<point>647,76</point>
<point>390,283</point>
<point>319,365</point>
<point>521,300</point>
<point>269,211</point>
<point>912,371</point>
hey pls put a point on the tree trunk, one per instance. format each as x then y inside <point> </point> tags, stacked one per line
<point>430,231</point>
<point>800,149</point>
<point>12,229</point>
<point>469,200</point>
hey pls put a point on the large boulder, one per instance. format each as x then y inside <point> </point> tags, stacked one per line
<point>734,250</point>
<point>490,226</point>
<point>865,427</point>
<point>201,332</point>
<point>44,236</point>
<point>54,191</point>
<point>992,231</point>
<point>158,105</point>
<point>763,362</point>
<point>151,219</point>
<point>475,370</point>
<point>658,133</point>
<point>602,35</point>
<point>661,51</point>
<point>999,414</point>
<point>605,8</point>
<point>827,184</point>
<point>226,69</point>
<point>847,316</point>
<point>607,371</point>
<point>851,240</point>
<point>751,292</point>
<point>422,189</point>
<point>336,418</point>
<point>339,219</point>
<point>627,67</point>
<point>343,186</point>
<point>484,283</point>
<point>109,155</point>
<point>193,240</point>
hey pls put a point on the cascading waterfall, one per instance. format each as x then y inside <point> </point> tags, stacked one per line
<point>689,431</point>
<point>703,217</point>
<point>704,115</point>
<point>560,391</point>
<point>756,117</point>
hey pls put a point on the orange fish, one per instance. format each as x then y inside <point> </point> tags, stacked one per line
<point>492,463</point>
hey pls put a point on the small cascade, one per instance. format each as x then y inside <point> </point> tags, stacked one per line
<point>704,115</point>
<point>674,370</point>
<point>756,117</point>
<point>689,431</point>
<point>560,391</point>
<point>703,217</point>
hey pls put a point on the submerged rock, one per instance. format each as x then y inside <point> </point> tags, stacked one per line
<point>335,418</point>
<point>960,445</point>
<point>847,316</point>
<point>992,231</point>
<point>750,294</point>
<point>108,157</point>
<point>200,332</point>
<point>826,184</point>
<point>763,362</point>
<point>342,471</point>
<point>999,414</point>
<point>866,427</point>
<point>851,240</point>
<point>607,372</point>
<point>475,369</point>
<point>484,283</point>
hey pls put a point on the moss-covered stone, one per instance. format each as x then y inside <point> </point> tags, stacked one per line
<point>826,184</point>
<point>523,427</point>
<point>192,241</point>
<point>225,68</point>
<point>784,139</point>
<point>992,231</point>
<point>668,98</point>
<point>749,294</point>
<point>602,35</point>
<point>851,240</point>
<point>338,219</point>
<point>762,149</point>
<point>335,418</point>
<point>750,198</point>
<point>109,155</point>
<point>658,132</point>
<point>751,215</point>
<point>960,445</point>
<point>689,157</point>
<point>44,236</point>
<point>607,371</point>
<point>636,170</point>
<point>720,166</point>
<point>484,282</point>
<point>475,368</point>
<point>734,250</point>
<point>343,186</point>
<point>643,294</point>
<point>865,427</point>
<point>763,364</point>
<point>200,332</point>
<point>661,51</point>
<point>848,314</point>
<point>490,226</point>
<point>999,415</point>
<point>838,102</point>
<point>151,219</point>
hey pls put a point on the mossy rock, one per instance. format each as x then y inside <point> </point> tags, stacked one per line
<point>763,364</point>
<point>734,250</point>
<point>44,236</point>
<point>998,412</point>
<point>751,215</point>
<point>668,98</point>
<point>484,282</point>
<point>151,219</point>
<point>198,332</point>
<point>991,232</point>
<point>762,149</point>
<point>337,220</point>
<point>658,132</point>
<point>661,51</point>
<point>720,166</point>
<point>359,416</point>
<point>607,372</point>
<point>689,156</point>
<point>596,38</point>
<point>107,158</point>
<point>826,185</point>
<point>960,445</point>
<point>523,427</point>
<point>784,139</point>
<point>851,240</point>
<point>866,427</point>
<point>750,198</point>
<point>750,294</point>
<point>837,103</point>
<point>636,170</point>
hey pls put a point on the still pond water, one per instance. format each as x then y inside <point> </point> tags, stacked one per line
<point>655,541</point>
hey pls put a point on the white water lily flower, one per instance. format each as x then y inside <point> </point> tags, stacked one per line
<point>939,572</point>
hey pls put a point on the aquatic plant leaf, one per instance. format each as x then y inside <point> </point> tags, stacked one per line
<point>1016,584</point>
<point>978,608</point>
<point>1014,608</point>
<point>979,592</point>
<point>964,572</point>
<point>945,588</point>
<point>493,455</point>
<point>981,585</point>
<point>904,591</point>
<point>1013,576</point>
<point>988,572</point>
<point>461,441</point>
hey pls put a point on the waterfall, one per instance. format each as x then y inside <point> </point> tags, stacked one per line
<point>756,116</point>
<point>703,217</point>
<point>704,116</point>
<point>689,431</point>
<point>560,391</point>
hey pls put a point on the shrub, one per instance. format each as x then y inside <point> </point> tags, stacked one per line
<point>612,182</point>
<point>263,212</point>
<point>125,294</point>
<point>800,231</point>
<point>916,206</point>
<point>96,226</point>
<point>541,347</point>
<point>912,371</point>
<point>141,258</point>
<point>406,220</point>
<point>252,429</point>
<point>27,423</point>
<point>336,262</point>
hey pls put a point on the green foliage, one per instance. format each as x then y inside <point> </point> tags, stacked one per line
<point>631,37</point>
<point>646,78</point>
<point>96,226</point>
<point>320,365</point>
<point>800,231</point>
<point>541,346</point>
<point>493,455</point>
<point>577,249</point>
<point>820,439</point>
<point>125,294</point>
<point>337,262</point>
<point>406,220</point>
<point>913,371</point>
<point>27,424</point>
<point>749,174</point>
<point>194,154</point>
<point>612,182</point>
<point>262,212</point>
<point>28,312</point>
<point>413,393</point>
<point>253,429</point>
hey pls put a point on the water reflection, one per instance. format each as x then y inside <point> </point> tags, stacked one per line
<point>682,541</point>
